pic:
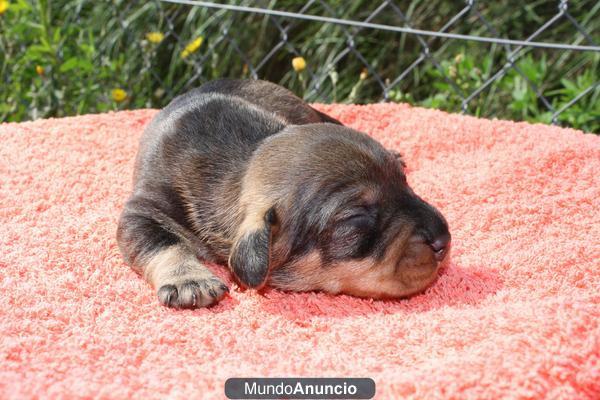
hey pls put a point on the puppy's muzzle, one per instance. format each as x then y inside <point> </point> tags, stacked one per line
<point>432,227</point>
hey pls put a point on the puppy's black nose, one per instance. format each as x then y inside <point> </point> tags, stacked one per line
<point>440,246</point>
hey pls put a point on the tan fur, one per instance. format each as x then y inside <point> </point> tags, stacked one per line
<point>367,277</point>
<point>175,266</point>
<point>172,265</point>
<point>254,199</point>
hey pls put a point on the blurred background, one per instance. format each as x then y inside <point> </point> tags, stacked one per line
<point>68,57</point>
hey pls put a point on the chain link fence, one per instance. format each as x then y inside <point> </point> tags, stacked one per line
<point>537,61</point>
<point>350,37</point>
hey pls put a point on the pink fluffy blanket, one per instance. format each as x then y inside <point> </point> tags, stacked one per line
<point>516,313</point>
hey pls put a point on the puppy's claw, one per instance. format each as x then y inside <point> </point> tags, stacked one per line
<point>191,293</point>
<point>166,294</point>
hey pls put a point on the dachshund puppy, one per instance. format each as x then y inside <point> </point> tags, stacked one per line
<point>245,173</point>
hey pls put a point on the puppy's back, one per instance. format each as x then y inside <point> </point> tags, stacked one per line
<point>224,120</point>
<point>192,158</point>
<point>203,128</point>
<point>194,153</point>
<point>269,97</point>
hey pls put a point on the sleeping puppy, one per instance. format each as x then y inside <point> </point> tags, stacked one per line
<point>245,173</point>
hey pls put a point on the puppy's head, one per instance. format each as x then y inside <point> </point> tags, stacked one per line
<point>328,208</point>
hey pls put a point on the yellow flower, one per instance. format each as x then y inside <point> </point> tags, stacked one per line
<point>452,71</point>
<point>299,64</point>
<point>192,47</point>
<point>119,95</point>
<point>39,70</point>
<point>155,37</point>
<point>364,74</point>
<point>4,4</point>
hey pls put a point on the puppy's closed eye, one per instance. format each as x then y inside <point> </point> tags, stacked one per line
<point>358,220</point>
<point>352,236</point>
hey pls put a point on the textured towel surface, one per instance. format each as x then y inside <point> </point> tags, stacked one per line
<point>514,315</point>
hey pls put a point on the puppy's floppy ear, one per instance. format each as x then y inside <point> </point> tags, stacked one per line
<point>250,256</point>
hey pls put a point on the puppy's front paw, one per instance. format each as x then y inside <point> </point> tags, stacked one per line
<point>192,293</point>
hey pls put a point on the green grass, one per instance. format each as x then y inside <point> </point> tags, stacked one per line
<point>88,48</point>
